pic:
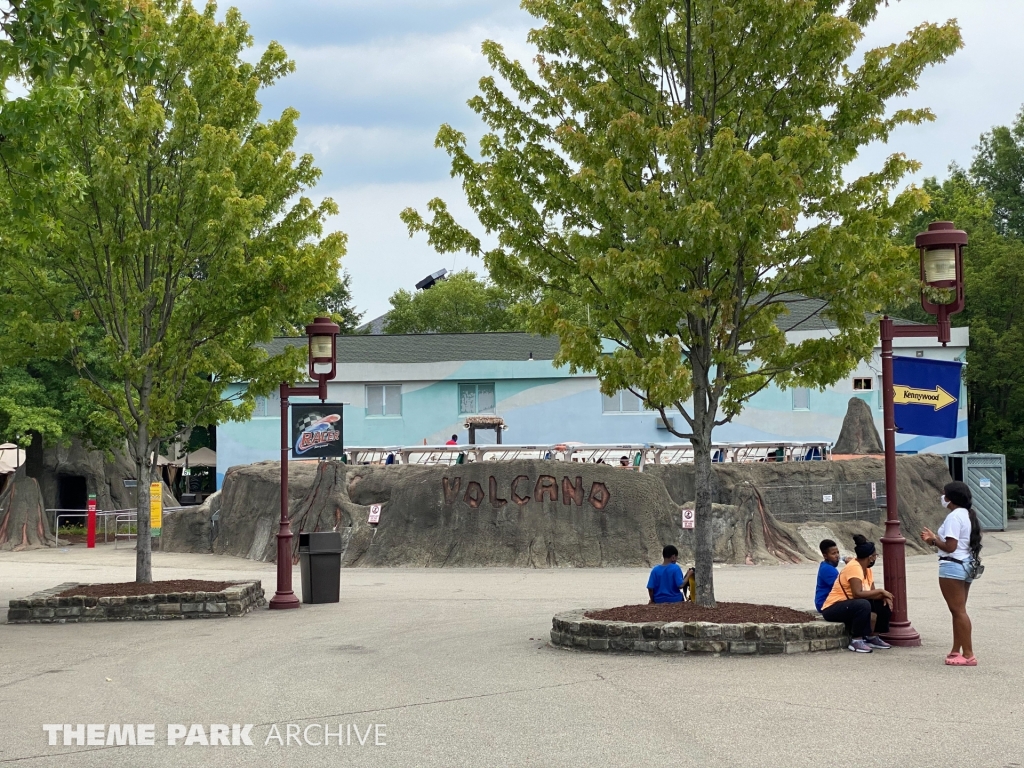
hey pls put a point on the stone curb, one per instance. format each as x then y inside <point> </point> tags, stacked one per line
<point>571,629</point>
<point>46,608</point>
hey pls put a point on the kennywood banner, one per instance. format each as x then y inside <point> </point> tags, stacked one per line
<point>926,395</point>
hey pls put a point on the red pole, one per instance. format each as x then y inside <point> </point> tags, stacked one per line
<point>894,561</point>
<point>285,597</point>
<point>90,530</point>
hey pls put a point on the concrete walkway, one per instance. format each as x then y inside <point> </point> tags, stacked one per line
<point>454,665</point>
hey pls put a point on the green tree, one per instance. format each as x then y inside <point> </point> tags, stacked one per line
<point>159,233</point>
<point>459,304</point>
<point>337,304</point>
<point>999,168</point>
<point>673,174</point>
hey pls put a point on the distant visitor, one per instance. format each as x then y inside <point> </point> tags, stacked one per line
<point>666,583</point>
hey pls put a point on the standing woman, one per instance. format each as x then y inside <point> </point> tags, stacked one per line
<point>959,545</point>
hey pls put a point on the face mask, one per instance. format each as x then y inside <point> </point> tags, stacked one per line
<point>944,501</point>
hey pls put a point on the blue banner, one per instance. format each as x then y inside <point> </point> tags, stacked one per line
<point>926,394</point>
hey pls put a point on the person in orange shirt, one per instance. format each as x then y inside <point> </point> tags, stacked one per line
<point>855,602</point>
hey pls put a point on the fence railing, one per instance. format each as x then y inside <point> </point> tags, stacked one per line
<point>825,501</point>
<point>638,455</point>
<point>126,517</point>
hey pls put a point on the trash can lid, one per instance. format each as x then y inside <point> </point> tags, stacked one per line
<point>327,542</point>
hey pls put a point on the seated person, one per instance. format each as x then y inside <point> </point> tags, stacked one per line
<point>828,571</point>
<point>855,602</point>
<point>666,581</point>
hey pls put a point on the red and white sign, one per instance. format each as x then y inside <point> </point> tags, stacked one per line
<point>374,514</point>
<point>688,518</point>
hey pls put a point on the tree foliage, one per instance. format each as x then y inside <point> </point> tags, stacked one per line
<point>461,303</point>
<point>673,174</point>
<point>160,232</point>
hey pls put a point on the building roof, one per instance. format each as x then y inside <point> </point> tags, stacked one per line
<point>805,314</point>
<point>433,347</point>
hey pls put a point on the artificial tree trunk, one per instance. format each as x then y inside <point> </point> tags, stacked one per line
<point>23,522</point>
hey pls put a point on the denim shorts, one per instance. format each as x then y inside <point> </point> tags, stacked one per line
<point>951,570</point>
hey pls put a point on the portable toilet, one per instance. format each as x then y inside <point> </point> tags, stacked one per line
<point>985,475</point>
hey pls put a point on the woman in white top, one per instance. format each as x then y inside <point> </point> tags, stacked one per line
<point>959,545</point>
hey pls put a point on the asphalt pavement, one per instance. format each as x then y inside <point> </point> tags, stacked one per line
<point>452,668</point>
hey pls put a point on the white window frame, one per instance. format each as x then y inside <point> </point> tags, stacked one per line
<point>476,398</point>
<point>868,379</point>
<point>617,397</point>
<point>807,396</point>
<point>384,401</point>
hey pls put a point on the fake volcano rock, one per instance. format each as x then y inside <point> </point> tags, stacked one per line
<point>858,436</point>
<point>23,522</point>
<point>545,514</point>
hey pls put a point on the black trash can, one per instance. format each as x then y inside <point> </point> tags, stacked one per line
<point>320,566</point>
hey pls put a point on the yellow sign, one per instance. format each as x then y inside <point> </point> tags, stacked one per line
<point>156,508</point>
<point>938,397</point>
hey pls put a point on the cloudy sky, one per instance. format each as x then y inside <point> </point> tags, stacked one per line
<point>375,79</point>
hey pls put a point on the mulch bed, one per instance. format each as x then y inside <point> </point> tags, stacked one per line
<point>725,613</point>
<point>131,588</point>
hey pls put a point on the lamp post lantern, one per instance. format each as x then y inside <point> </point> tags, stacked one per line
<point>941,254</point>
<point>322,366</point>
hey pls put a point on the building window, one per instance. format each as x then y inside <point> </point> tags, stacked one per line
<point>862,384</point>
<point>476,398</point>
<point>267,406</point>
<point>384,400</point>
<point>623,401</point>
<point>801,399</point>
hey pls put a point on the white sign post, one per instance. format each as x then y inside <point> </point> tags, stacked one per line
<point>374,514</point>
<point>874,492</point>
<point>687,518</point>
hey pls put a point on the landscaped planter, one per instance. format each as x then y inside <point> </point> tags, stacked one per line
<point>572,629</point>
<point>46,608</point>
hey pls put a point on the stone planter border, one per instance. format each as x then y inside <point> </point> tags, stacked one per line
<point>572,630</point>
<point>45,608</point>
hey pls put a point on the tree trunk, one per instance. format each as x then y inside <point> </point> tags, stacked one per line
<point>143,542</point>
<point>23,522</point>
<point>704,543</point>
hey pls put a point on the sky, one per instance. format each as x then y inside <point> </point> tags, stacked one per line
<point>375,79</point>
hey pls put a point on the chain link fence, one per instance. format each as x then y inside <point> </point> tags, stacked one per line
<point>828,501</point>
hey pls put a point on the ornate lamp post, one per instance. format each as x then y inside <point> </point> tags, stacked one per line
<point>322,334</point>
<point>941,249</point>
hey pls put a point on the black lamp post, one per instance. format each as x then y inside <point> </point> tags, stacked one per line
<point>942,266</point>
<point>323,336</point>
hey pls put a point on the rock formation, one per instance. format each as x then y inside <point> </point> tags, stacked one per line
<point>858,436</point>
<point>23,523</point>
<point>539,514</point>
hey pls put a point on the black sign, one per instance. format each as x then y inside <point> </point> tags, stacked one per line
<point>317,431</point>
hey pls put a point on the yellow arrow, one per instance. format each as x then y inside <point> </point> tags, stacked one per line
<point>938,397</point>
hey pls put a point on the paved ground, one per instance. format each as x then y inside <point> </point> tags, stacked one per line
<point>454,665</point>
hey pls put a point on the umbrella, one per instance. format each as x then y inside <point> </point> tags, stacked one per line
<point>11,457</point>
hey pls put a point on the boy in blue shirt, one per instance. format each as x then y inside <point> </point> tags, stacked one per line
<point>828,571</point>
<point>665,584</point>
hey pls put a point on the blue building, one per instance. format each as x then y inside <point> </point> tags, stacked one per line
<point>404,390</point>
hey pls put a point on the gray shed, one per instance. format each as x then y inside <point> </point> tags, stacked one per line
<point>985,475</point>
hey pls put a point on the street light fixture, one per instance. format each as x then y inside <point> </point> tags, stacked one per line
<point>322,366</point>
<point>941,255</point>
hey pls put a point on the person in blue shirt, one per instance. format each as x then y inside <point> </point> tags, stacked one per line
<point>665,584</point>
<point>828,571</point>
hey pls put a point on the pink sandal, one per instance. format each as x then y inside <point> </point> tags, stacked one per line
<point>958,660</point>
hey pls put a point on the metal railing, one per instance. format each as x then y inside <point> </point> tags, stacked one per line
<point>120,516</point>
<point>639,455</point>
